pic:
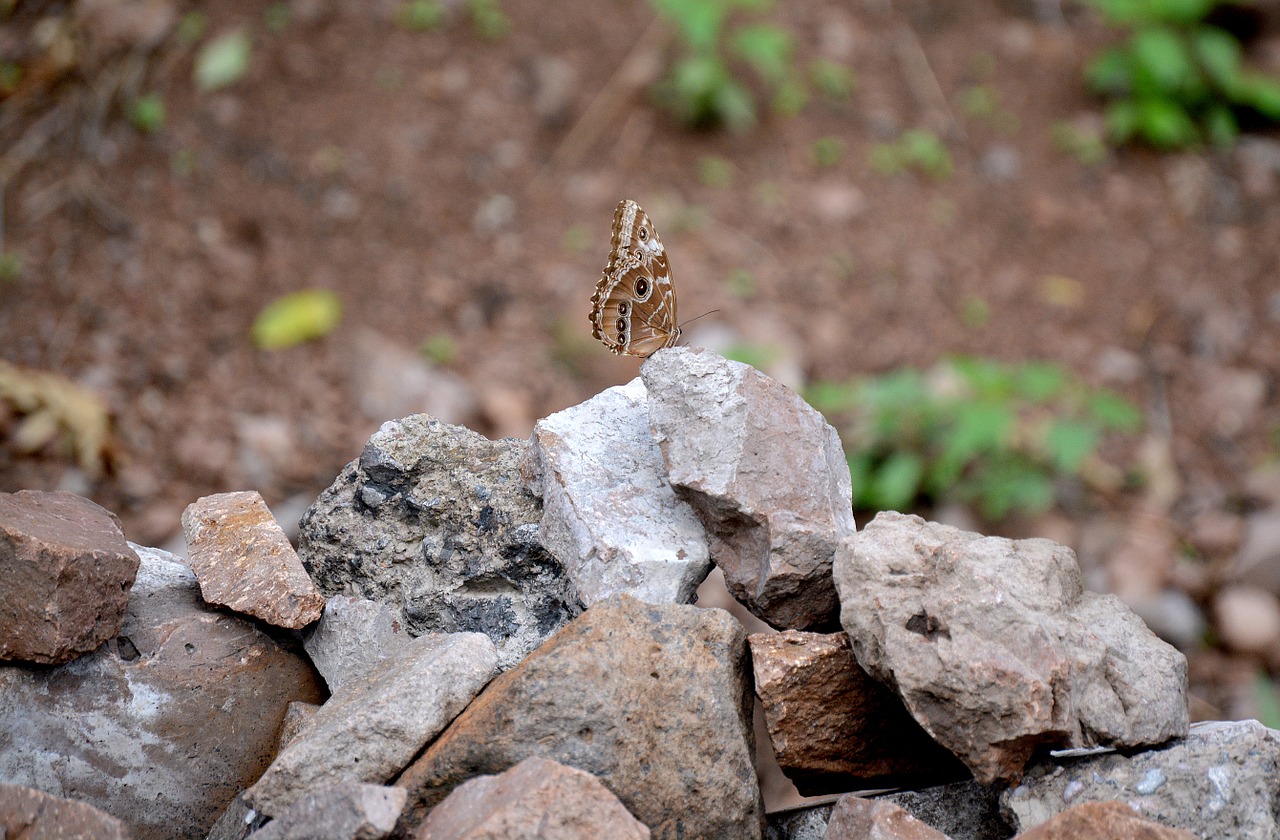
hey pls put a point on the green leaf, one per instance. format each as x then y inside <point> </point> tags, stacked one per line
<point>1069,442</point>
<point>147,113</point>
<point>1164,124</point>
<point>1177,12</point>
<point>1122,121</point>
<point>860,477</point>
<point>1115,412</point>
<point>1040,382</point>
<point>1013,484</point>
<point>832,79</point>
<point>1110,72</point>
<point>831,397</point>
<point>979,428</point>
<point>897,481</point>
<point>1220,125</point>
<point>697,21</point>
<point>222,61</point>
<point>1219,55</point>
<point>420,15</point>
<point>766,48</point>
<point>734,106</point>
<point>1262,94</point>
<point>1162,61</point>
<point>295,318</point>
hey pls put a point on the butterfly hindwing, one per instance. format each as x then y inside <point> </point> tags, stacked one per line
<point>633,310</point>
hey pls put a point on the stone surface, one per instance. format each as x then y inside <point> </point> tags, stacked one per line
<point>653,700</point>
<point>29,813</point>
<point>352,637</point>
<point>765,472</point>
<point>799,823</point>
<point>1219,781</point>
<point>65,573</point>
<point>832,726</point>
<point>608,513</point>
<point>163,726</point>
<point>372,728</point>
<point>237,822</point>
<point>341,811</point>
<point>855,818</point>
<point>996,649</point>
<point>962,811</point>
<point>1103,821</point>
<point>244,561</point>
<point>432,521</point>
<point>535,798</point>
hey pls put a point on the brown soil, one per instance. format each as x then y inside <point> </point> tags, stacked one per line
<point>447,185</point>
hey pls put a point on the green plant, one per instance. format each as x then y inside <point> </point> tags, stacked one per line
<point>147,113</point>
<point>741,283</point>
<point>914,149</point>
<point>1176,80</point>
<point>715,171</point>
<point>296,318</point>
<point>831,79</point>
<point>440,349</point>
<point>702,88</point>
<point>192,27</point>
<point>972,430</point>
<point>10,266</point>
<point>488,20</point>
<point>419,15</point>
<point>222,61</point>
<point>277,17</point>
<point>1083,144</point>
<point>826,152</point>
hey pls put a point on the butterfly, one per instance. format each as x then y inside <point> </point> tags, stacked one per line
<point>633,311</point>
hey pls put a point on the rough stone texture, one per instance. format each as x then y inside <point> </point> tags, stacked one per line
<point>653,700</point>
<point>535,798</point>
<point>296,718</point>
<point>765,472</point>
<point>962,811</point>
<point>432,521</point>
<point>237,822</point>
<point>342,811</point>
<point>996,649</point>
<point>1219,781</point>
<point>29,813</point>
<point>371,729</point>
<point>608,513</point>
<point>244,561</point>
<point>832,726</point>
<point>855,818</point>
<point>65,573</point>
<point>352,637</point>
<point>799,823</point>
<point>1103,821</point>
<point>163,726</point>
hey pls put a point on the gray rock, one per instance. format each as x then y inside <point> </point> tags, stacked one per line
<point>341,811</point>
<point>1218,781</point>
<point>373,728</point>
<point>29,813</point>
<point>535,798</point>
<point>163,726</point>
<point>765,472</point>
<point>799,823</point>
<point>243,560</point>
<point>237,822</point>
<point>432,521</point>
<point>65,573</point>
<point>963,811</point>
<point>654,700</point>
<point>608,513</point>
<point>351,638</point>
<point>996,649</point>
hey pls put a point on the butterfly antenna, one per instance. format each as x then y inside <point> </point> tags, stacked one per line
<point>703,315</point>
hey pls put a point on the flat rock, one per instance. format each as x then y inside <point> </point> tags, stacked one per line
<point>130,727</point>
<point>372,728</point>
<point>654,700</point>
<point>855,818</point>
<point>832,726</point>
<point>29,813</point>
<point>996,649</point>
<point>65,573</point>
<point>609,514</point>
<point>1103,821</point>
<point>432,521</point>
<point>244,561</point>
<point>765,472</point>
<point>341,811</point>
<point>535,798</point>
<point>1218,781</point>
<point>352,637</point>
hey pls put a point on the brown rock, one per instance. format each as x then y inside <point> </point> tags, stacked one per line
<point>29,813</point>
<point>855,818</point>
<point>244,561</point>
<point>536,798</point>
<point>833,727</point>
<point>65,573</point>
<point>1103,821</point>
<point>654,700</point>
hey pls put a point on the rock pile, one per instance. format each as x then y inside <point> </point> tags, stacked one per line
<point>494,639</point>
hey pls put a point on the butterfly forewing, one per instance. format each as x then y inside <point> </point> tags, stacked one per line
<point>633,310</point>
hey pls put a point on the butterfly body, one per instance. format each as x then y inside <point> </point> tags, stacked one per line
<point>633,310</point>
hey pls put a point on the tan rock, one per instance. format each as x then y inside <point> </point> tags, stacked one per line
<point>1103,821</point>
<point>25,812</point>
<point>855,818</point>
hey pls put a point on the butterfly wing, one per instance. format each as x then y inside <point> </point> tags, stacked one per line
<point>633,310</point>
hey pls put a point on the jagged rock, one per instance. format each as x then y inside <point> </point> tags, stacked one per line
<point>996,649</point>
<point>608,513</point>
<point>372,728</point>
<point>1218,781</point>
<point>799,823</point>
<point>29,813</point>
<point>855,818</point>
<point>432,521</point>
<point>244,561</point>
<point>65,573</point>
<point>1103,821</point>
<point>966,810</point>
<point>341,811</point>
<point>351,638</point>
<point>653,700</point>
<point>765,472</point>
<point>832,726</point>
<point>161,727</point>
<point>535,798</point>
